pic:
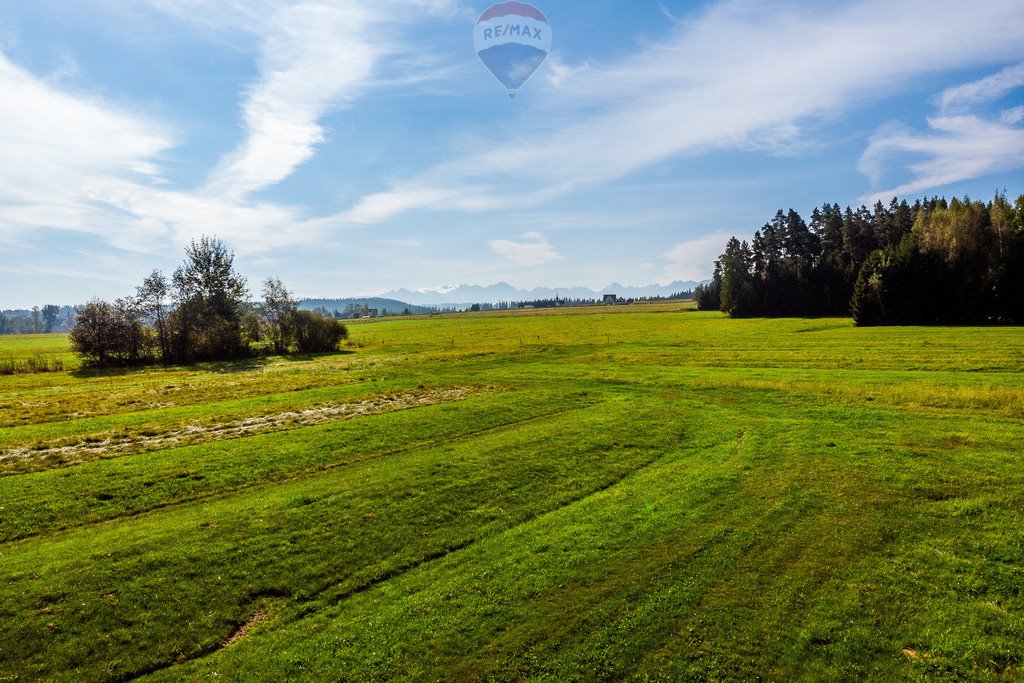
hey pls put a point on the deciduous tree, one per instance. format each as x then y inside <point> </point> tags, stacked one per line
<point>50,313</point>
<point>278,310</point>
<point>151,297</point>
<point>211,298</point>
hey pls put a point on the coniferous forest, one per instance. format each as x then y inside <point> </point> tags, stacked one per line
<point>930,263</point>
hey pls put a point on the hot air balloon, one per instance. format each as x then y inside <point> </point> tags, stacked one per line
<point>512,39</point>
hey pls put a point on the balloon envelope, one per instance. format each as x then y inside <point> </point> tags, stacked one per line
<point>512,39</point>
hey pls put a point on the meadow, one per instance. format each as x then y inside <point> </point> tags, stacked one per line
<point>631,493</point>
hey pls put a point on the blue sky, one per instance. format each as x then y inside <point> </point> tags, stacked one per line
<point>353,147</point>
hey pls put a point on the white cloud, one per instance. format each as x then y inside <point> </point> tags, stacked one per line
<point>78,169</point>
<point>51,141</point>
<point>1012,116</point>
<point>87,165</point>
<point>314,58</point>
<point>960,145</point>
<point>535,250</point>
<point>958,148</point>
<point>693,259</point>
<point>379,207</point>
<point>158,214</point>
<point>745,75</point>
<point>558,72</point>
<point>987,89</point>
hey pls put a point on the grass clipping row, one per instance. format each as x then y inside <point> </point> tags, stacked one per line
<point>108,444</point>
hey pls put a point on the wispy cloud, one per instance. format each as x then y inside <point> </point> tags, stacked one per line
<point>558,72</point>
<point>987,89</point>
<point>692,259</point>
<point>957,148</point>
<point>1013,115</point>
<point>152,216</point>
<point>88,165</point>
<point>314,58</point>
<point>534,250</point>
<point>960,144</point>
<point>745,75</point>
<point>375,208</point>
<point>52,140</point>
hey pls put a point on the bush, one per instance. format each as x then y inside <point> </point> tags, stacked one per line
<point>317,333</point>
<point>109,335</point>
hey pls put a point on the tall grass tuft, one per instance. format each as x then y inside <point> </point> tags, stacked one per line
<point>10,365</point>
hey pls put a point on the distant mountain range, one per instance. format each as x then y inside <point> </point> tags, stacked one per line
<point>466,295</point>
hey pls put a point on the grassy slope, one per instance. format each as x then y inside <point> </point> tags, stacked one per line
<point>635,493</point>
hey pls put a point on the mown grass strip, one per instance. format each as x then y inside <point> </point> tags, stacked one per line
<point>756,557</point>
<point>172,431</point>
<point>184,577</point>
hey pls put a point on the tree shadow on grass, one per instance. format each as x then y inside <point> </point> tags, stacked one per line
<point>230,367</point>
<point>93,371</point>
<point>224,367</point>
<point>292,357</point>
<point>215,367</point>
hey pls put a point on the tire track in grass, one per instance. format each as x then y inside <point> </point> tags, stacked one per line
<point>131,557</point>
<point>583,496</point>
<point>324,600</point>
<point>566,459</point>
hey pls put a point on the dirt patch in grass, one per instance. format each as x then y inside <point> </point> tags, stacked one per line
<point>41,456</point>
<point>913,655</point>
<point>260,617</point>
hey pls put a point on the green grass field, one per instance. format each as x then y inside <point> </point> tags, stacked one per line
<point>638,493</point>
<point>27,353</point>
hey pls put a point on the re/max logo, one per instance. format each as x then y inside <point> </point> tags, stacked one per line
<point>512,30</point>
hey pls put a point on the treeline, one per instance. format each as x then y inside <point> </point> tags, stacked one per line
<point>933,262</point>
<point>559,302</point>
<point>36,320</point>
<point>201,313</point>
<point>373,307</point>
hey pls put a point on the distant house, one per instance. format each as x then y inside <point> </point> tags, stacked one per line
<point>611,299</point>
